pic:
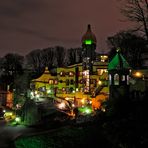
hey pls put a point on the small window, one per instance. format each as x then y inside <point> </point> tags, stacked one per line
<point>63,89</point>
<point>81,81</point>
<point>123,77</point>
<point>71,74</point>
<point>50,81</point>
<point>62,73</point>
<point>116,79</point>
<point>55,82</point>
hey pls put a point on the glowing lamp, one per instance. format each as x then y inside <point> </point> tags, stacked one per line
<point>138,74</point>
<point>61,105</point>
<point>17,119</point>
<point>83,101</point>
<point>37,96</point>
<point>48,91</point>
<point>88,111</point>
<point>100,82</point>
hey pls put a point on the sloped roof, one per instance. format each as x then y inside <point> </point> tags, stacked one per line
<point>44,77</point>
<point>118,62</point>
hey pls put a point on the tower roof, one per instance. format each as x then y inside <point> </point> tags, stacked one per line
<point>118,62</point>
<point>89,36</point>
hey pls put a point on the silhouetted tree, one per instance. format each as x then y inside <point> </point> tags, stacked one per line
<point>131,45</point>
<point>74,55</point>
<point>11,67</point>
<point>60,53</point>
<point>137,11</point>
<point>48,56</point>
<point>35,62</point>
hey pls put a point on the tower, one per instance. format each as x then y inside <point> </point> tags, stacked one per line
<point>118,70</point>
<point>88,55</point>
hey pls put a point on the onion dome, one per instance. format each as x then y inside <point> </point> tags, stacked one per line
<point>89,38</point>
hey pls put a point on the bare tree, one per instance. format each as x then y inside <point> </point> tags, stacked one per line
<point>48,56</point>
<point>137,11</point>
<point>60,54</point>
<point>74,55</point>
<point>131,45</point>
<point>35,61</point>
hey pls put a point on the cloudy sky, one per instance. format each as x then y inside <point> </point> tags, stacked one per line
<point>34,24</point>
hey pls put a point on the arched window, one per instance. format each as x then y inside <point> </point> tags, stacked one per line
<point>116,79</point>
<point>71,74</point>
<point>51,81</point>
<point>62,73</point>
<point>123,77</point>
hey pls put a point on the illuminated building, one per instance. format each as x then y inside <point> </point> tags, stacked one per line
<point>118,70</point>
<point>88,55</point>
<point>80,81</point>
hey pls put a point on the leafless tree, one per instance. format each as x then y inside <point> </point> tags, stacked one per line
<point>48,55</point>
<point>60,55</point>
<point>74,55</point>
<point>137,11</point>
<point>132,46</point>
<point>34,61</point>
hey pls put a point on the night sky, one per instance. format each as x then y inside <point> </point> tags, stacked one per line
<point>34,24</point>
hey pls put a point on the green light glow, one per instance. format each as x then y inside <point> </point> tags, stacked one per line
<point>17,119</point>
<point>85,110</point>
<point>88,42</point>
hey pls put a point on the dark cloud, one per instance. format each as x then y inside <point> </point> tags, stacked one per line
<point>29,24</point>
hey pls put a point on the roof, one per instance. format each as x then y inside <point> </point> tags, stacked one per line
<point>44,77</point>
<point>118,62</point>
<point>89,36</point>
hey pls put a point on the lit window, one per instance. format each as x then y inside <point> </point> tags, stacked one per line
<point>55,82</point>
<point>71,74</point>
<point>104,58</point>
<point>116,79</point>
<point>123,78</point>
<point>50,81</point>
<point>62,73</point>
